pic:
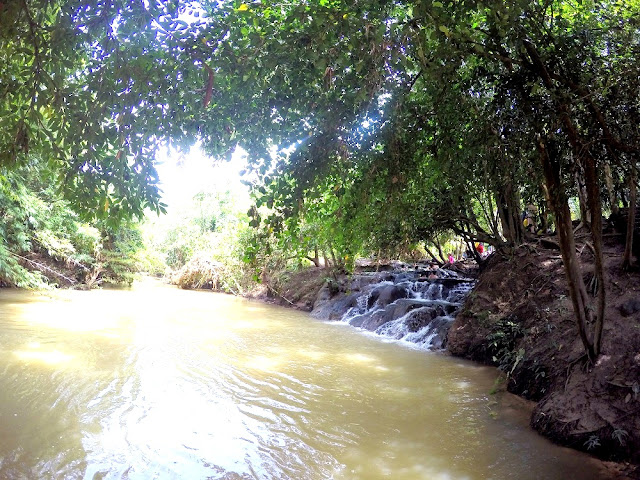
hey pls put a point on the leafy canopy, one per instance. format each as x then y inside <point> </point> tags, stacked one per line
<point>392,104</point>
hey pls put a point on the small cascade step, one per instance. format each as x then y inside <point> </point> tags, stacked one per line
<point>410,307</point>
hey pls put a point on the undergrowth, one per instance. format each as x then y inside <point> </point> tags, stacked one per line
<point>503,341</point>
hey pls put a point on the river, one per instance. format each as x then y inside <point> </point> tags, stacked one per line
<point>160,383</point>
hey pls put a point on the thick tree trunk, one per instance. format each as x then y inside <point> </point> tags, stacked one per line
<point>507,226</point>
<point>509,211</point>
<point>493,219</point>
<point>631,219</point>
<point>560,206</point>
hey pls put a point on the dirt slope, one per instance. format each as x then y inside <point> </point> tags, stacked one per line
<point>519,317</point>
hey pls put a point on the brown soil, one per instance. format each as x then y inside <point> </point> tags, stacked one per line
<point>519,318</point>
<point>297,289</point>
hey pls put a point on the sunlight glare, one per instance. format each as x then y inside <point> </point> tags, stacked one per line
<point>264,363</point>
<point>182,178</point>
<point>359,358</point>
<point>54,357</point>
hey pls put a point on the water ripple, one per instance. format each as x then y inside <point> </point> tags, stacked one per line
<point>170,384</point>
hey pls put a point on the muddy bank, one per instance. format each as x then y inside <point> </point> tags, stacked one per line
<point>519,318</point>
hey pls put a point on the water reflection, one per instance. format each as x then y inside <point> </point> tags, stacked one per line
<point>162,383</point>
<point>53,357</point>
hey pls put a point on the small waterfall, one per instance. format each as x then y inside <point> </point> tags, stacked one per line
<point>413,306</point>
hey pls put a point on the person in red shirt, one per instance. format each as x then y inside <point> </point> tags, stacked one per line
<point>480,248</point>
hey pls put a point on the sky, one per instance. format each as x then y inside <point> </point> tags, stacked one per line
<point>183,177</point>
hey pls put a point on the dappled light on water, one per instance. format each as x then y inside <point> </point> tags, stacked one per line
<point>157,382</point>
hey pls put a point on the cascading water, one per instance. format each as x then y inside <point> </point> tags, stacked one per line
<point>416,306</point>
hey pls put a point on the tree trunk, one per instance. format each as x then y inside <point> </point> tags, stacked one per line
<point>548,208</point>
<point>472,250</point>
<point>585,218</point>
<point>316,257</point>
<point>631,219</point>
<point>492,219</point>
<point>552,176</point>
<point>613,198</point>
<point>333,257</point>
<point>459,250</point>
<point>433,257</point>
<point>562,213</point>
<point>327,263</point>
<point>509,211</point>
<point>440,254</point>
<point>595,209</point>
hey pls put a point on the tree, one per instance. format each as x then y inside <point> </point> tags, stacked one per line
<point>458,107</point>
<point>93,88</point>
<point>45,242</point>
<point>550,63</point>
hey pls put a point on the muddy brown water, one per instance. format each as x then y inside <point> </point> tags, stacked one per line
<point>156,382</point>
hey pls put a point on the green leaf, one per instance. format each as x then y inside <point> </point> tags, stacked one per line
<point>444,30</point>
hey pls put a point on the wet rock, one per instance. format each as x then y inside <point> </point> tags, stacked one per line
<point>386,294</point>
<point>404,277</point>
<point>358,320</point>
<point>419,319</point>
<point>375,320</point>
<point>327,307</point>
<point>441,327</point>
<point>361,282</point>
<point>423,317</point>
<point>405,305</point>
<point>391,294</point>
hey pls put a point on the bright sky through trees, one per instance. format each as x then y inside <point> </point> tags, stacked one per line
<point>182,177</point>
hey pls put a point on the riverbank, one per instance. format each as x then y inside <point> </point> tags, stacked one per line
<point>519,318</point>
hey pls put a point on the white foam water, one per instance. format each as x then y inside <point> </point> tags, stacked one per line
<point>411,307</point>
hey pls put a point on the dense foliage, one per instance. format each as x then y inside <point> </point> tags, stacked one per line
<point>45,243</point>
<point>441,115</point>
